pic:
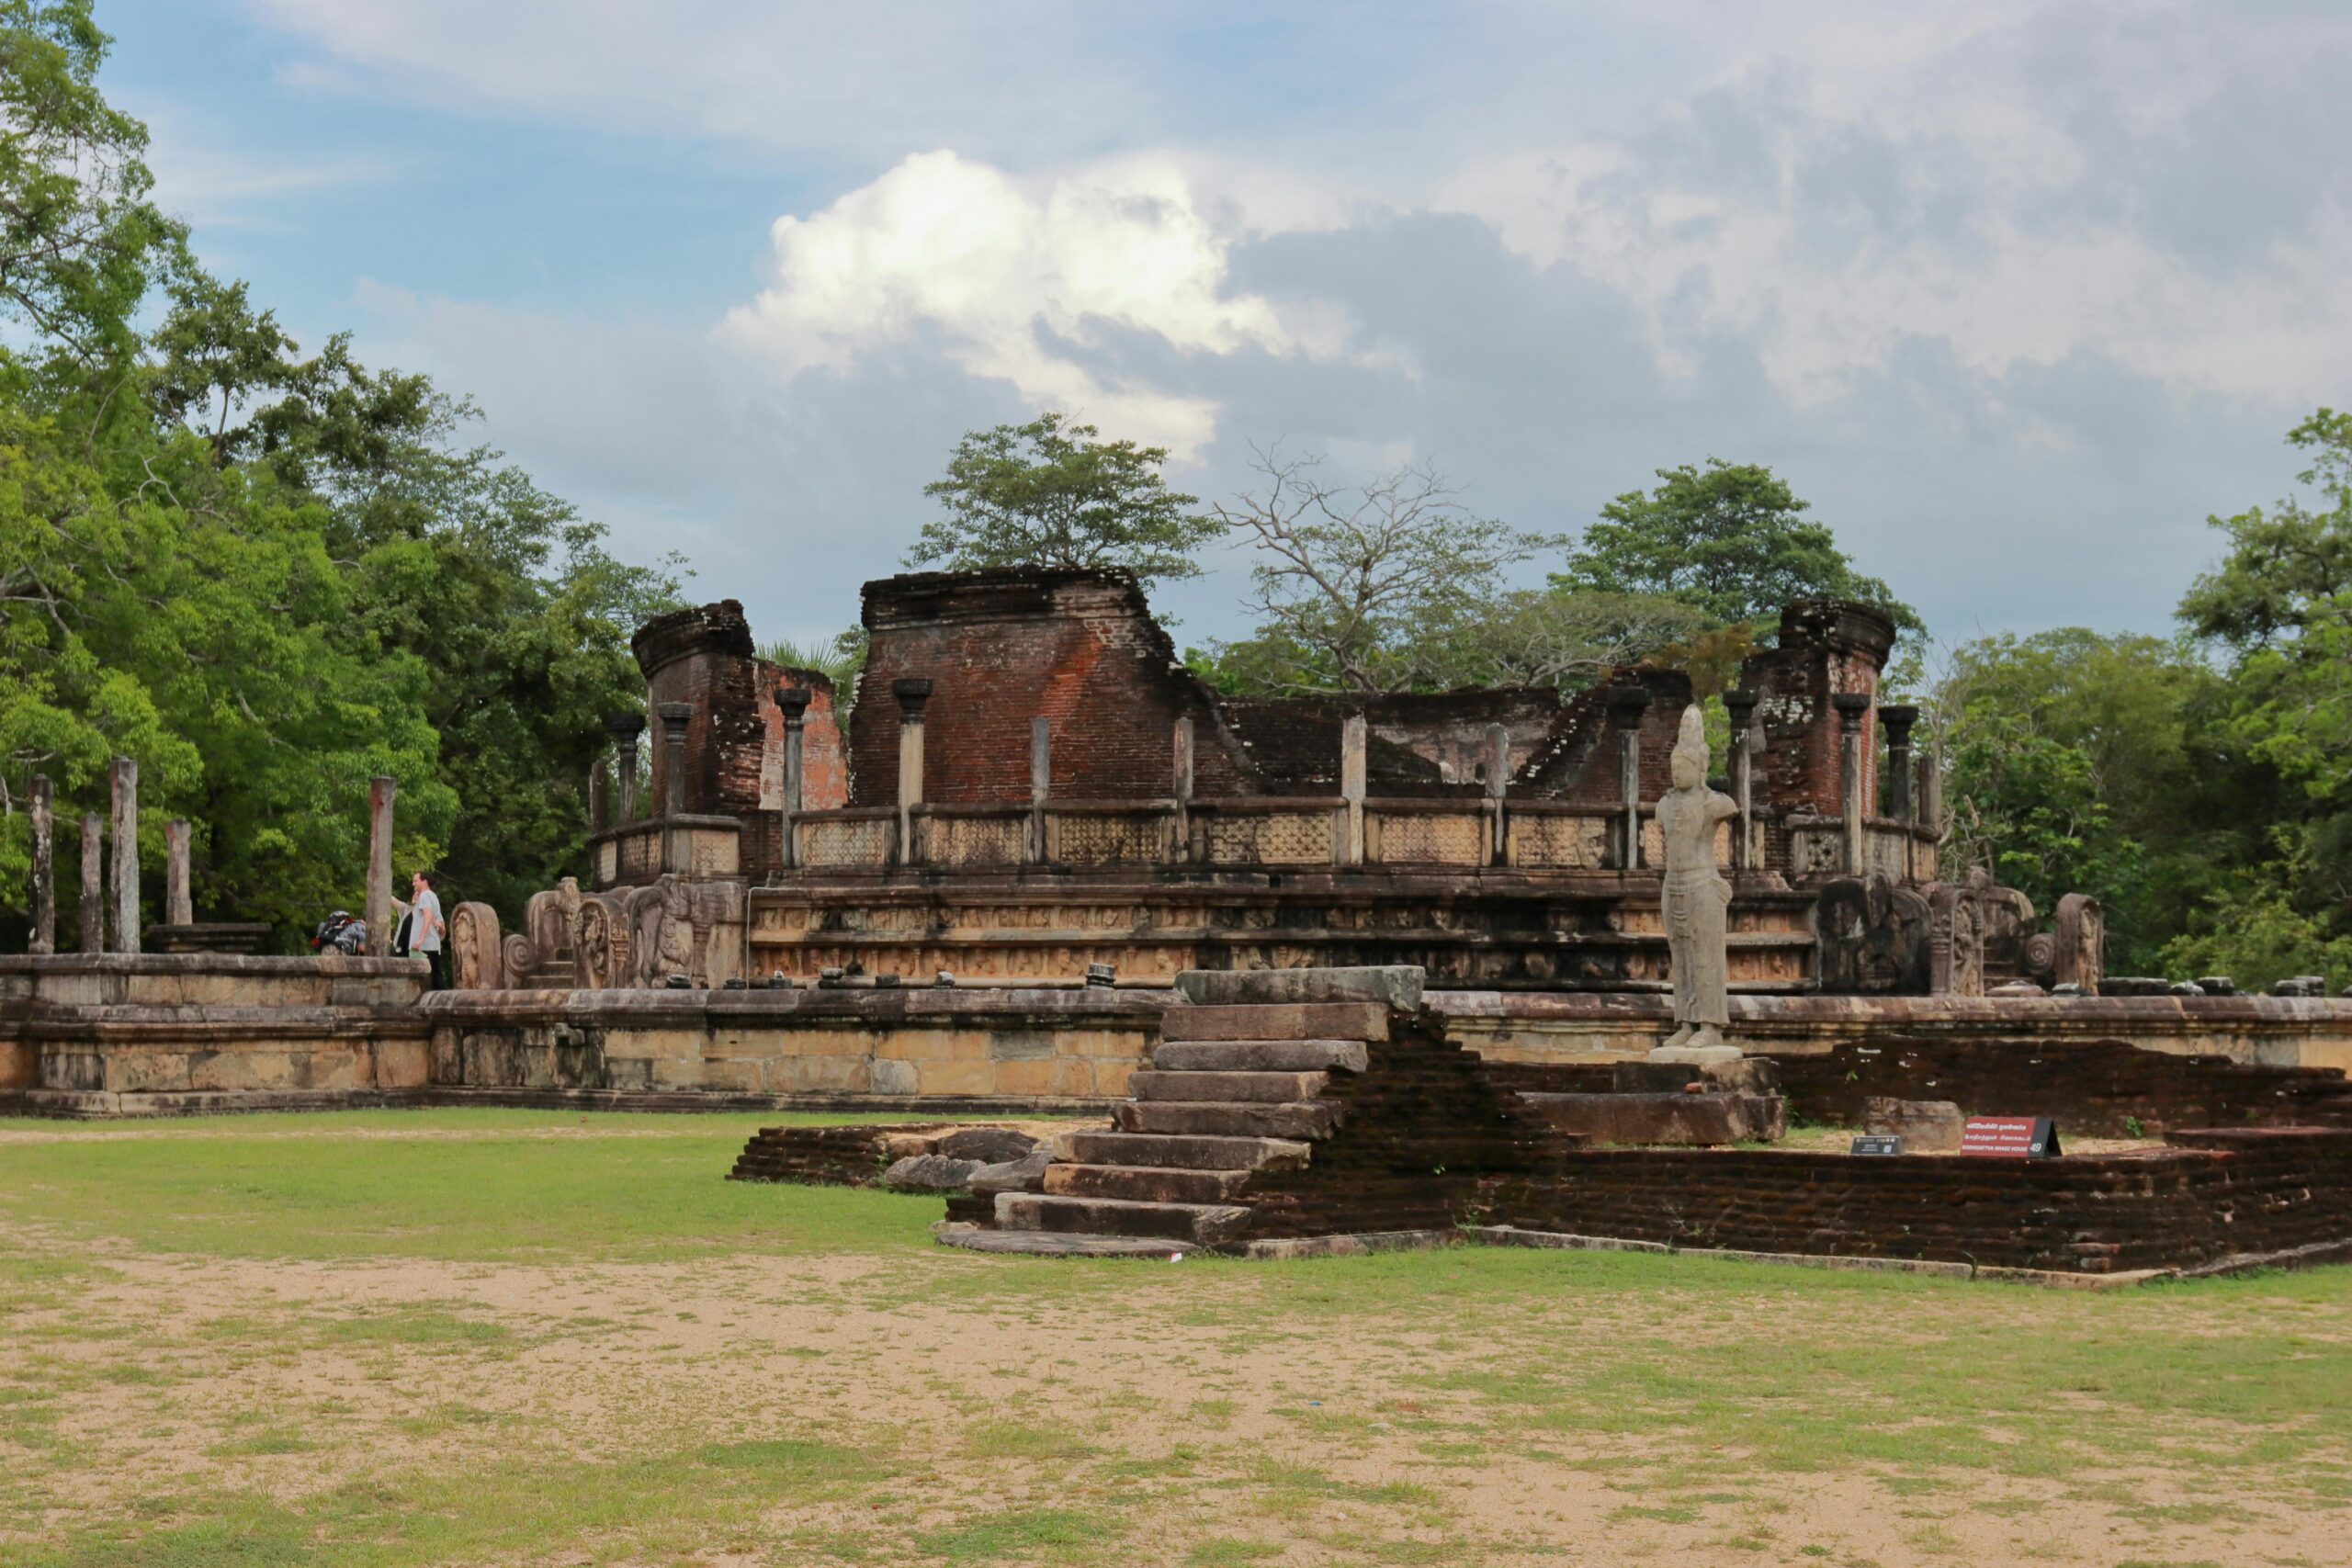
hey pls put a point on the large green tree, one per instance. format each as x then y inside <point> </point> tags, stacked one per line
<point>1730,540</point>
<point>264,576</point>
<point>1048,493</point>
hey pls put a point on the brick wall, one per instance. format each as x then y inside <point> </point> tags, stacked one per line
<point>2091,1087</point>
<point>1001,648</point>
<point>2217,1195</point>
<point>1824,648</point>
<point>704,657</point>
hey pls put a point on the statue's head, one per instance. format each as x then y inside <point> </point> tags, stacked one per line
<point>1690,760</point>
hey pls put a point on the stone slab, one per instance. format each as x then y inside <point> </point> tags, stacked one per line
<point>1314,1119</point>
<point>1395,985</point>
<point>1180,1152</point>
<point>1277,1089</point>
<point>1204,1222</point>
<point>1144,1183</point>
<point>1262,1056</point>
<point>1306,1020</point>
<point>1052,1244</point>
<point>1352,1245</point>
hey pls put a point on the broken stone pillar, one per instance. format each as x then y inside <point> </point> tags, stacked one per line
<point>793,703</point>
<point>1896,720</point>
<point>912,693</point>
<point>1626,705</point>
<point>1851,706</point>
<point>600,805</point>
<point>42,808</point>
<point>1181,771</point>
<point>1039,844</point>
<point>676,717</point>
<point>1351,761</point>
<point>1741,706</point>
<point>378,911</point>
<point>179,910</point>
<point>1497,786</point>
<point>1931,793</point>
<point>122,780</point>
<point>626,729</point>
<point>94,883</point>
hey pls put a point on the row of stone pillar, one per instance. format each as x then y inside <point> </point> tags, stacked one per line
<point>625,727</point>
<point>108,885</point>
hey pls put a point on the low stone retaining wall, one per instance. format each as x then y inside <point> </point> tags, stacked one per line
<point>2092,1088</point>
<point>107,1034</point>
<point>2214,1195</point>
<point>117,1033</point>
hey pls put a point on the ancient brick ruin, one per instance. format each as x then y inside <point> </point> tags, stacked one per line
<point>1032,785</point>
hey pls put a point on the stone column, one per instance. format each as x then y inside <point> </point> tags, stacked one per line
<point>1741,706</point>
<point>793,703</point>
<point>1180,771</point>
<point>1497,786</point>
<point>1351,759</point>
<point>122,779</point>
<point>1896,720</point>
<point>1626,705</point>
<point>179,909</point>
<point>1041,785</point>
<point>1851,706</point>
<point>676,717</point>
<point>41,807</point>
<point>378,911</point>
<point>600,795</point>
<point>1931,793</point>
<point>626,729</point>
<point>94,883</point>
<point>914,692</point>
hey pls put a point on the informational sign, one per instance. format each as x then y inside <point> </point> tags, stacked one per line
<point>1877,1143</point>
<point>2012,1138</point>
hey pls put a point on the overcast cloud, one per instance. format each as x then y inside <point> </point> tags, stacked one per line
<point>2015,294</point>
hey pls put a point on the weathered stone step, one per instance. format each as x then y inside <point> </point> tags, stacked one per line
<point>1179,1152</point>
<point>1392,985</point>
<point>1052,1244</point>
<point>1258,1089</point>
<point>1296,1021</point>
<point>1145,1183</point>
<point>1261,1056</point>
<point>1207,1223</point>
<point>1311,1119</point>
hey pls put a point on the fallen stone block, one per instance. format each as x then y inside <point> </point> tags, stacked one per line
<point>1023,1175</point>
<point>931,1173</point>
<point>988,1146</point>
<point>1926,1126</point>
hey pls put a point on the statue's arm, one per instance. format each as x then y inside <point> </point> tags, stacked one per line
<point>1719,807</point>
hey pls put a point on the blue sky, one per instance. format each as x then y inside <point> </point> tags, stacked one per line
<point>2015,293</point>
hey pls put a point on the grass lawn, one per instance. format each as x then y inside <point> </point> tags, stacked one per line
<point>535,1337</point>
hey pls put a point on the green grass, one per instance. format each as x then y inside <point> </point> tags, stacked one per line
<point>1683,1394</point>
<point>299,1186</point>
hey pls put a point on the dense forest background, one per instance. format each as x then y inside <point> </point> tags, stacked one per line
<point>265,574</point>
<point>268,575</point>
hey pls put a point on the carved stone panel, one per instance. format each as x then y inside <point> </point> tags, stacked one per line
<point>601,943</point>
<point>1955,941</point>
<point>694,928</point>
<point>2081,955</point>
<point>1870,938</point>
<point>476,961</point>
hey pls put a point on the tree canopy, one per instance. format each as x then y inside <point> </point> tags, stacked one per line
<point>264,576</point>
<point>1048,494</point>
<point>1729,540</point>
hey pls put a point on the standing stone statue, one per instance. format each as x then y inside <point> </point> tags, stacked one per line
<point>1696,901</point>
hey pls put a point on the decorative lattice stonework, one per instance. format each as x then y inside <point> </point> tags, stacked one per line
<point>1426,839</point>
<point>865,843</point>
<point>1108,840</point>
<point>1567,844</point>
<point>1273,838</point>
<point>974,841</point>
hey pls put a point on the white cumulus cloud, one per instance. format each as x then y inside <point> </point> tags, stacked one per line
<point>1025,282</point>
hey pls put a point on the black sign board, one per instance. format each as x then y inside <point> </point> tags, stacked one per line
<point>1876,1144</point>
<point>2014,1137</point>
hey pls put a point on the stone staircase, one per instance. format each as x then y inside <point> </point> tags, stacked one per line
<point>1311,1099</point>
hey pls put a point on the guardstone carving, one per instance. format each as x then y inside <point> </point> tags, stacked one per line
<point>476,960</point>
<point>694,928</point>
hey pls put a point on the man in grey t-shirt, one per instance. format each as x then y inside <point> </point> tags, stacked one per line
<point>421,924</point>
